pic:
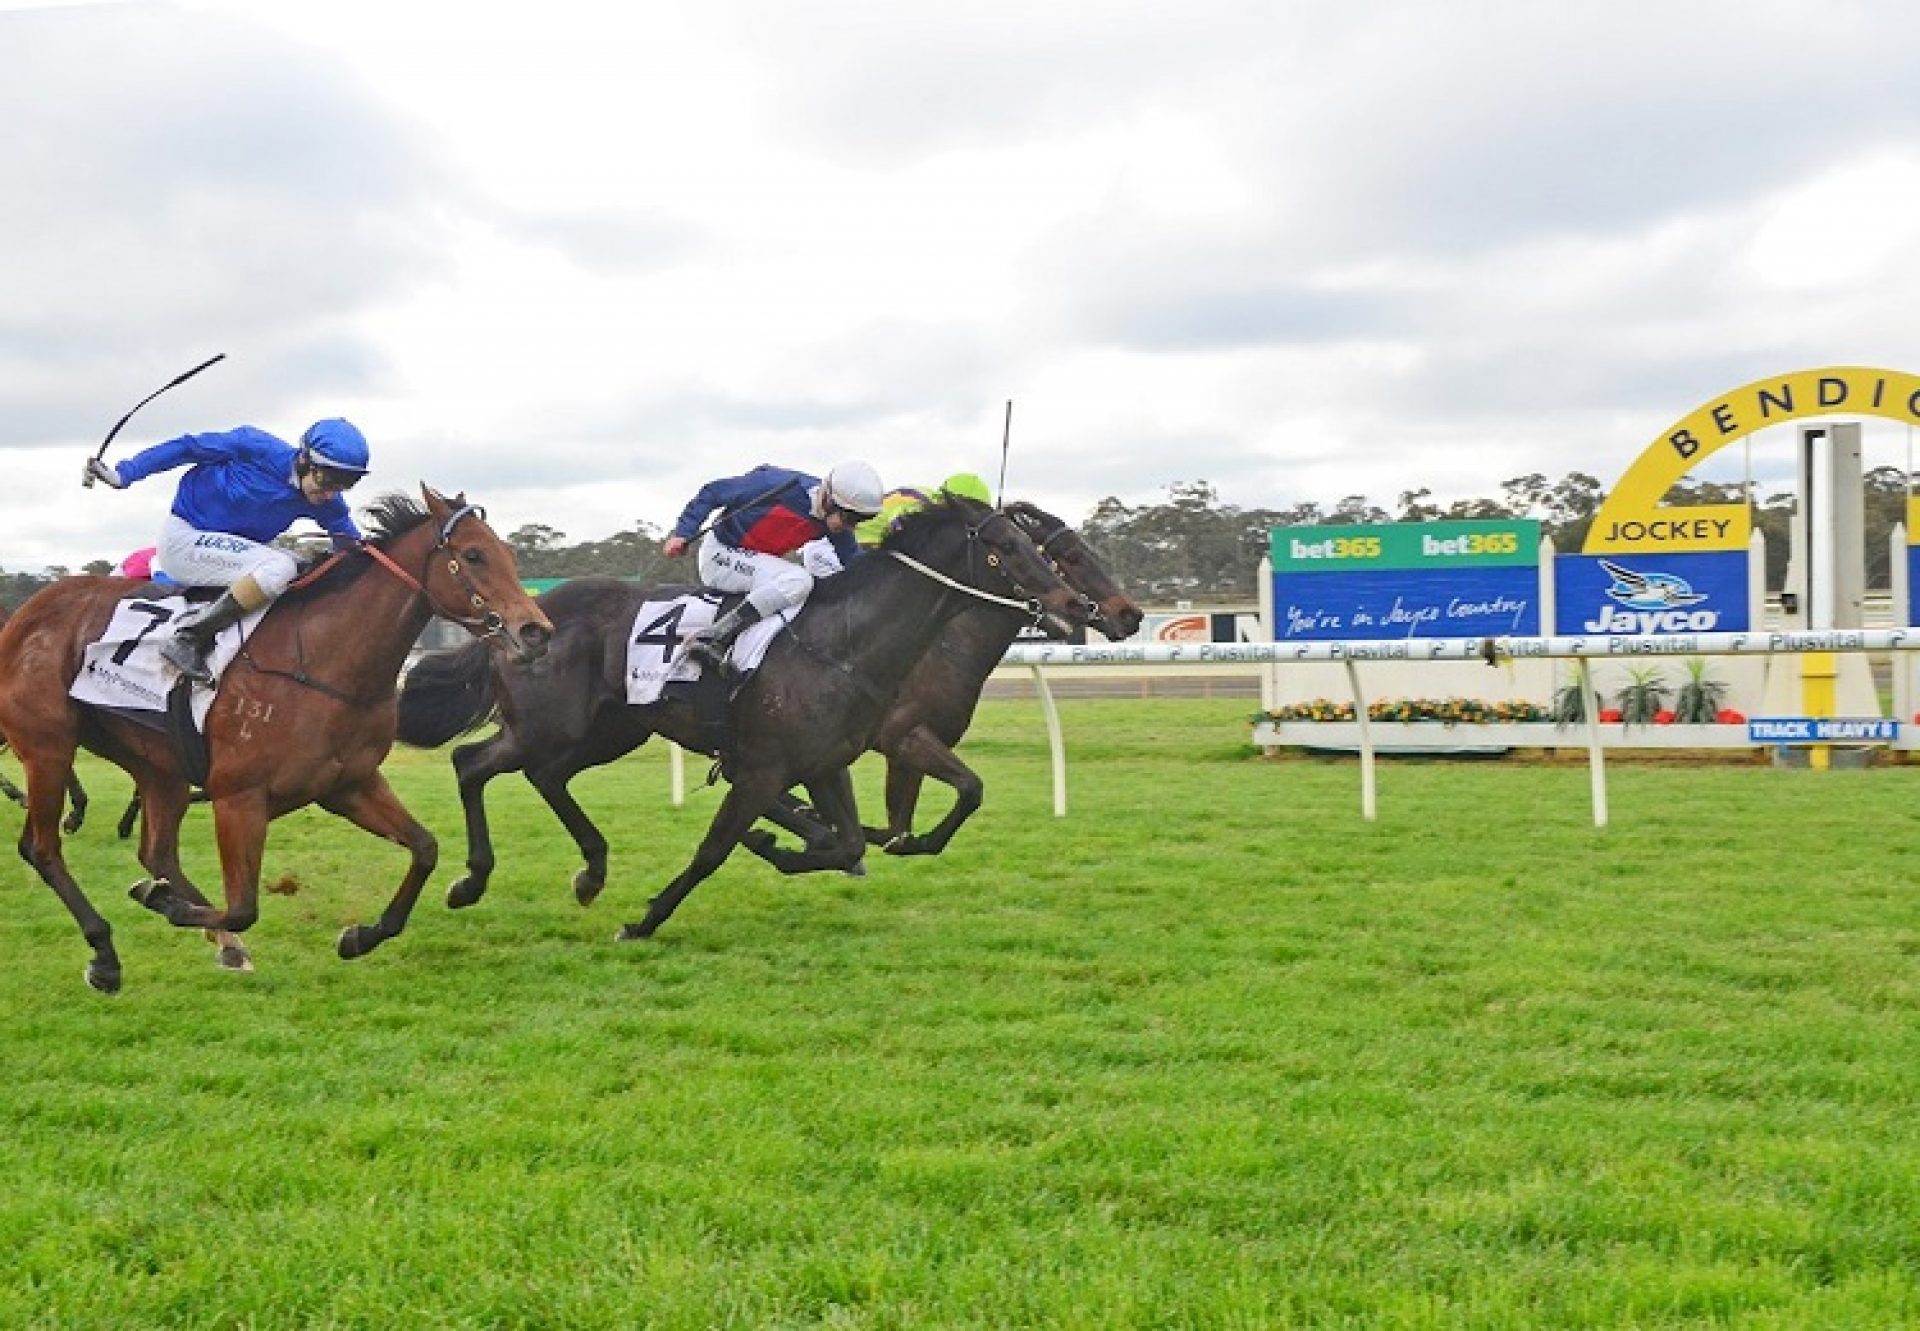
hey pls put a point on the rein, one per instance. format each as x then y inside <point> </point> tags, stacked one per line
<point>1030,606</point>
<point>488,619</point>
<point>488,623</point>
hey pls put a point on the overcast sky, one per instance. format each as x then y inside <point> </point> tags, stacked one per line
<point>576,259</point>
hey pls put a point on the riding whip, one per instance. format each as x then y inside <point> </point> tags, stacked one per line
<point>171,383</point>
<point>1006,438</point>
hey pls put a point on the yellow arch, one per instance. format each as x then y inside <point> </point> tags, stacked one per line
<point>1632,516</point>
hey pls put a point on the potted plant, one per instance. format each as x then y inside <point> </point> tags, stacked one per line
<point>1643,697</point>
<point>1700,699</point>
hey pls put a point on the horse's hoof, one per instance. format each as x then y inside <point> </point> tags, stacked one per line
<point>464,892</point>
<point>235,959</point>
<point>356,940</point>
<point>632,932</point>
<point>587,885</point>
<point>158,896</point>
<point>858,869</point>
<point>103,977</point>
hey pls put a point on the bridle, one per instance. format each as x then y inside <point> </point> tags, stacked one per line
<point>1063,534</point>
<point>485,622</point>
<point>1028,604</point>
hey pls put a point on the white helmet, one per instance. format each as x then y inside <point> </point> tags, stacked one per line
<point>855,486</point>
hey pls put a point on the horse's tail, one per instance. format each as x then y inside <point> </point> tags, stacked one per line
<point>447,694</point>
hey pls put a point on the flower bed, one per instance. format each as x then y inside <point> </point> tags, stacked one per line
<point>1446,711</point>
<point>1457,711</point>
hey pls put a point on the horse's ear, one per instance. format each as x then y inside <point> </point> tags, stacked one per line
<point>436,505</point>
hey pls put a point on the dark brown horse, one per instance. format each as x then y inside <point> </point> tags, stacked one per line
<point>810,710</point>
<point>304,715</point>
<point>936,704</point>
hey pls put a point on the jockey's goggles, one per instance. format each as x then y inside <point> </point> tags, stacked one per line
<point>334,478</point>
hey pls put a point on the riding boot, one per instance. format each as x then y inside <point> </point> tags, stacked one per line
<point>709,649</point>
<point>187,649</point>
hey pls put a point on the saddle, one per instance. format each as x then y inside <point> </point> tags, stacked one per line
<point>123,672</point>
<point>658,672</point>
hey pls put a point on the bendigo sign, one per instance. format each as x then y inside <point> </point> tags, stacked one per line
<point>1407,580</point>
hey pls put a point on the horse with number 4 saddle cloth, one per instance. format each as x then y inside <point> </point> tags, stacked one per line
<point>825,681</point>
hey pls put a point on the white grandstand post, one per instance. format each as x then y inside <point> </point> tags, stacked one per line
<point>1369,806</point>
<point>1055,743</point>
<point>1596,752</point>
<point>677,768</point>
<point>1270,675</point>
<point>1903,612</point>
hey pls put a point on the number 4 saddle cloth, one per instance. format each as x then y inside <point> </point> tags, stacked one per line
<point>653,647</point>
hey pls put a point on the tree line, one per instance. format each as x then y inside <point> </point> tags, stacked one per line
<point>1194,546</point>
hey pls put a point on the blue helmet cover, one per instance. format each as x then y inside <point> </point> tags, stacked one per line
<point>336,443</point>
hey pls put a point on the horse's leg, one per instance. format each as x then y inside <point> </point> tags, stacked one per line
<point>923,754</point>
<point>903,797</point>
<point>373,805</point>
<point>833,802</point>
<point>789,813</point>
<point>165,805</point>
<point>745,801</point>
<point>77,802</point>
<point>551,779</point>
<point>40,847</point>
<point>13,792</point>
<point>124,828</point>
<point>473,766</point>
<point>240,829</point>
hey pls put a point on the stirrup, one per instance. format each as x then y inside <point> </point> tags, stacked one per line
<point>701,651</point>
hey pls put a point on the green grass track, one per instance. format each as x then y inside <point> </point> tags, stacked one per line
<point>1211,1052</point>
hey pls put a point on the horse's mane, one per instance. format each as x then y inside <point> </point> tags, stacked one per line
<point>909,535</point>
<point>389,517</point>
<point>911,529</point>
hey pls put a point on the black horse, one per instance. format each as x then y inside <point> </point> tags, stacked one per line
<point>936,704</point>
<point>803,717</point>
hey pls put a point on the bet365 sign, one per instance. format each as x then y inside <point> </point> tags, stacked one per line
<point>1406,580</point>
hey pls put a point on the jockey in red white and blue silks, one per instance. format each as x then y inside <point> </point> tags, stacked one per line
<point>243,488</point>
<point>765,515</point>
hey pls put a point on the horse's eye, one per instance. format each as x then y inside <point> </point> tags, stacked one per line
<point>473,556</point>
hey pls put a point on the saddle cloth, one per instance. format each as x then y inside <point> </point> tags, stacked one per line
<point>124,669</point>
<point>661,626</point>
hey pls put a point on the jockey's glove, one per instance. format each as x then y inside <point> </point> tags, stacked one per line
<point>104,472</point>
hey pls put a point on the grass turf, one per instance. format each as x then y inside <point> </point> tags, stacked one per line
<point>1210,1052</point>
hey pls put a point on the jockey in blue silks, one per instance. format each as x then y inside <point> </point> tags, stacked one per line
<point>767,514</point>
<point>242,489</point>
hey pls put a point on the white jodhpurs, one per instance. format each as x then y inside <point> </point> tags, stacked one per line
<point>770,582</point>
<point>216,559</point>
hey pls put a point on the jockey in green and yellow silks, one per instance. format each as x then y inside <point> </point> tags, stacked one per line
<point>820,559</point>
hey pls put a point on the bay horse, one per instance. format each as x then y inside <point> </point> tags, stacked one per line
<point>304,715</point>
<point>76,793</point>
<point>802,718</point>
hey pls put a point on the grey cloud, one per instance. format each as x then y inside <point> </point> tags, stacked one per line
<point>177,181</point>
